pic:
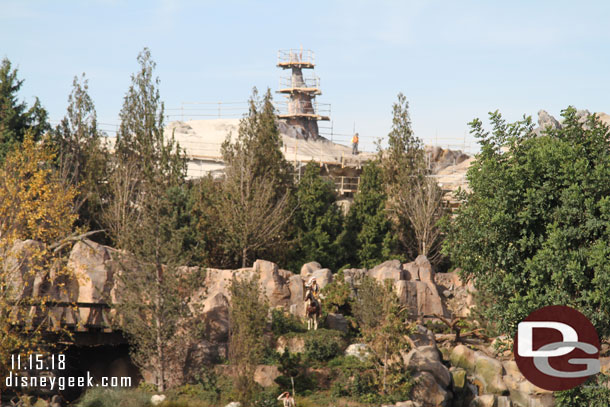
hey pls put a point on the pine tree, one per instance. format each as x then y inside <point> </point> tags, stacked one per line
<point>82,157</point>
<point>253,207</point>
<point>414,200</point>
<point>368,237</point>
<point>145,220</point>
<point>248,319</point>
<point>15,117</point>
<point>318,221</point>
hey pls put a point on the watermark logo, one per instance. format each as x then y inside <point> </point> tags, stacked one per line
<point>557,348</point>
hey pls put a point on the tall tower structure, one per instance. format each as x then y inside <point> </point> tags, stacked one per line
<point>301,109</point>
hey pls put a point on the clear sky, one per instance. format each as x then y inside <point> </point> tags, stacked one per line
<point>454,60</point>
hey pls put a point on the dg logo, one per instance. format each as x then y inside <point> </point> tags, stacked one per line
<point>557,348</point>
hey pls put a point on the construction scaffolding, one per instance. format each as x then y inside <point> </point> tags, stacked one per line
<point>301,109</point>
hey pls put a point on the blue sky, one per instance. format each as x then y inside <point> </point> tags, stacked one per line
<point>454,60</point>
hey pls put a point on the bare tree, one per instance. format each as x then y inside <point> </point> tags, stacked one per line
<point>422,206</point>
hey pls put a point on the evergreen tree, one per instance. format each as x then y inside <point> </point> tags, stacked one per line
<point>15,117</point>
<point>253,207</point>
<point>259,137</point>
<point>414,201</point>
<point>248,319</point>
<point>317,221</point>
<point>368,237</point>
<point>82,156</point>
<point>145,219</point>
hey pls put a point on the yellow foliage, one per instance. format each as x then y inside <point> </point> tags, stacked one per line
<point>34,203</point>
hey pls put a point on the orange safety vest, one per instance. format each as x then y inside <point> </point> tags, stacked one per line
<point>355,139</point>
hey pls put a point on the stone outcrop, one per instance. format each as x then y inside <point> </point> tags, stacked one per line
<point>358,350</point>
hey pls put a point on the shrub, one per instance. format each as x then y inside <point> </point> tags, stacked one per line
<point>283,323</point>
<point>105,397</point>
<point>322,345</point>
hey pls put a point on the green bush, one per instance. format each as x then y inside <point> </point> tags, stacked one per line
<point>283,323</point>
<point>105,397</point>
<point>323,345</point>
<point>593,393</point>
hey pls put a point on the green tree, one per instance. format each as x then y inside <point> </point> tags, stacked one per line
<point>15,117</point>
<point>82,156</point>
<point>414,200</point>
<point>253,207</point>
<point>368,238</point>
<point>248,319</point>
<point>318,221</point>
<point>535,228</point>
<point>145,219</point>
<point>384,326</point>
<point>259,137</point>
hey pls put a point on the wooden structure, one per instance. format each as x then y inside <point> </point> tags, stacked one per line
<point>301,109</point>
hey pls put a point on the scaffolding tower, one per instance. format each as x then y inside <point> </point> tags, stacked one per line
<point>301,109</point>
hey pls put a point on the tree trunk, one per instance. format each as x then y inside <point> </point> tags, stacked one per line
<point>244,255</point>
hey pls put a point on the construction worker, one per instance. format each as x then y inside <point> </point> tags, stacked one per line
<point>355,144</point>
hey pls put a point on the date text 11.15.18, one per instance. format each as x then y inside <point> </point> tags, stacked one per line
<point>37,361</point>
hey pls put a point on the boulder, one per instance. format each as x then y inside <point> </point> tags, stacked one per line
<point>273,282</point>
<point>458,377</point>
<point>265,375</point>
<point>486,400</point>
<point>411,271</point>
<point>421,299</point>
<point>426,274</point>
<point>308,268</point>
<point>423,336</point>
<point>353,278</point>
<point>292,344</point>
<point>323,277</point>
<point>337,322</point>
<point>391,269</point>
<point>297,295</point>
<point>428,392</point>
<point>504,401</point>
<point>216,317</point>
<point>545,120</point>
<point>427,359</point>
<point>157,399</point>
<point>490,372</point>
<point>20,265</point>
<point>234,404</point>
<point>462,356</point>
<point>359,350</point>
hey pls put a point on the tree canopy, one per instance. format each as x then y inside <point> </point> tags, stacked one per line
<point>15,116</point>
<point>535,228</point>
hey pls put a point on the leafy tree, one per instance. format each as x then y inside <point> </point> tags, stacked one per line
<point>253,207</point>
<point>534,230</point>
<point>383,323</point>
<point>145,219</point>
<point>594,393</point>
<point>318,221</point>
<point>368,238</point>
<point>34,204</point>
<point>82,155</point>
<point>15,117</point>
<point>248,319</point>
